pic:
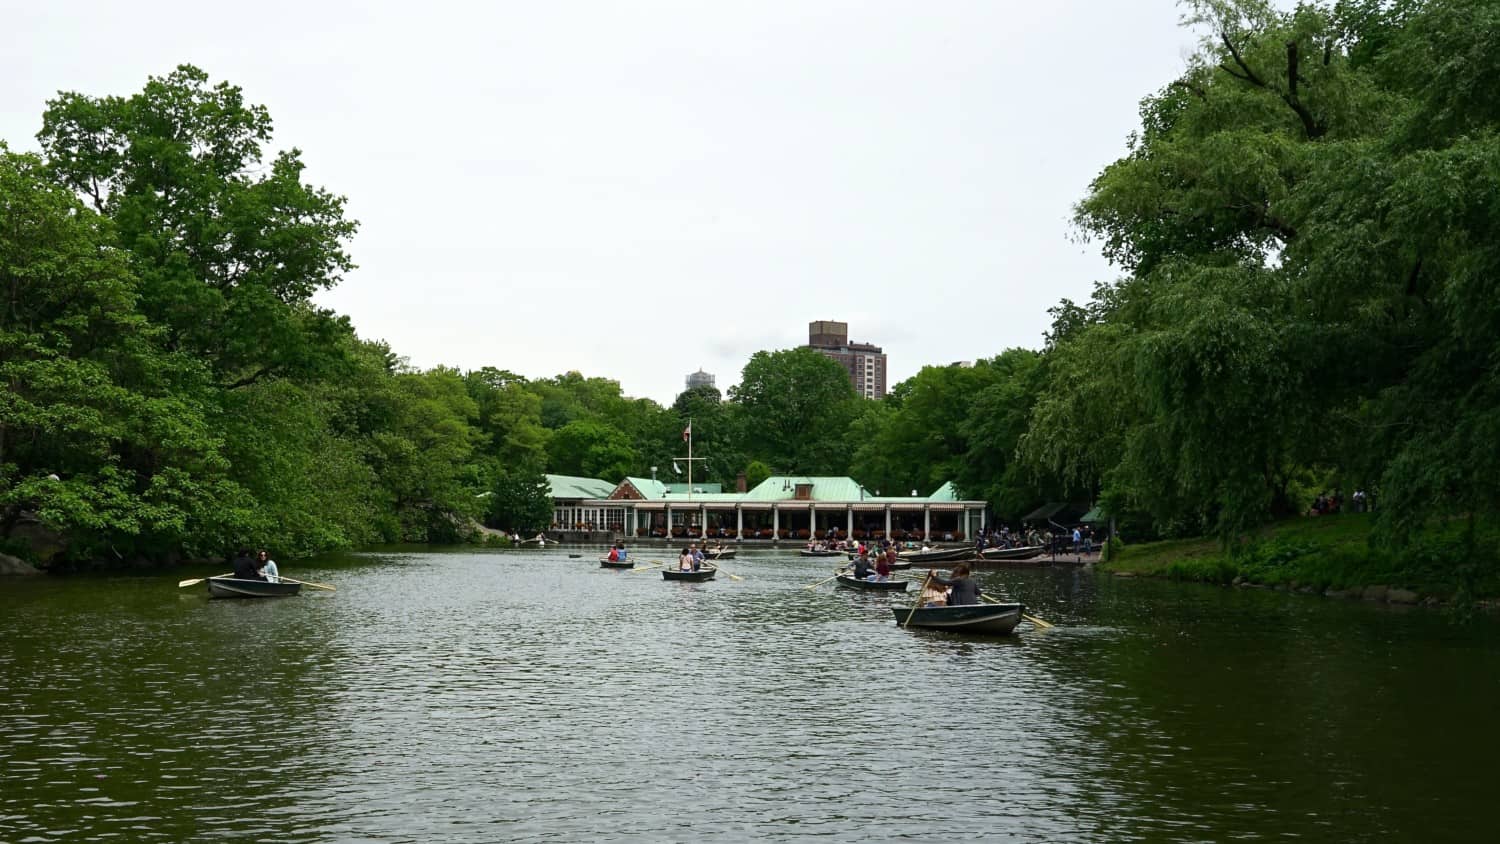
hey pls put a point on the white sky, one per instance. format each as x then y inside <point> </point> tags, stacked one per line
<point>635,190</point>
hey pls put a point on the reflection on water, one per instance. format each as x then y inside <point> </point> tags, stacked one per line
<point>485,696</point>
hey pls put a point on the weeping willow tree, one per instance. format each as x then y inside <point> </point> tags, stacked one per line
<point>1306,225</point>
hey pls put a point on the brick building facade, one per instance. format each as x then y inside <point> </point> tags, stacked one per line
<point>866,364</point>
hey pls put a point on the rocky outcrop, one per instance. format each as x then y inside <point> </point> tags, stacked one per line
<point>16,565</point>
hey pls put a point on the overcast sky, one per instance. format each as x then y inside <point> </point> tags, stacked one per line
<point>636,190</point>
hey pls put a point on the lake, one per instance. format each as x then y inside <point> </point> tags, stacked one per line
<point>480,696</point>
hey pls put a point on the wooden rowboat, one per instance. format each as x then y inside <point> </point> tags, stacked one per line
<point>1025,553</point>
<point>938,555</point>
<point>607,563</point>
<point>229,587</point>
<point>726,554</point>
<point>706,573</point>
<point>853,582</point>
<point>819,553</point>
<point>992,619</point>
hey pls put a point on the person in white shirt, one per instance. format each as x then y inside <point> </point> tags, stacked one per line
<point>267,567</point>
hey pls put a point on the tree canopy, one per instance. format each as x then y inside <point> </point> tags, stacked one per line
<point>1304,228</point>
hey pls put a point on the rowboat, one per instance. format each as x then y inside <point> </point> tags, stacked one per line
<point>938,555</point>
<point>853,582</point>
<point>726,554</point>
<point>1025,553</point>
<point>706,573</point>
<point>605,562</point>
<point>807,552</point>
<point>229,587</point>
<point>993,619</point>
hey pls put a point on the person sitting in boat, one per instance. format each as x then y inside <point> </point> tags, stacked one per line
<point>882,568</point>
<point>685,560</point>
<point>934,594</point>
<point>961,587</point>
<point>614,554</point>
<point>267,566</point>
<point>862,570</point>
<point>244,566</point>
<point>623,554</point>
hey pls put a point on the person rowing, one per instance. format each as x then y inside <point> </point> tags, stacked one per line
<point>862,570</point>
<point>245,567</point>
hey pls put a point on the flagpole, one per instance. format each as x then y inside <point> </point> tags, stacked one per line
<point>690,458</point>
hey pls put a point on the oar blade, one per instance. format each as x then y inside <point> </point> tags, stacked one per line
<point>193,582</point>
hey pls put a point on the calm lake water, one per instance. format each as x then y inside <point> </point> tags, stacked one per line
<point>518,696</point>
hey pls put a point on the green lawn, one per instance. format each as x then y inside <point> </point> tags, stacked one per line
<point>1324,552</point>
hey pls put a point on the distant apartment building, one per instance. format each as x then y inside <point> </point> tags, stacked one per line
<point>700,379</point>
<point>865,363</point>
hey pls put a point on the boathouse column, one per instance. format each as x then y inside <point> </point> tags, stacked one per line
<point>926,523</point>
<point>739,522</point>
<point>669,524</point>
<point>775,523</point>
<point>703,521</point>
<point>849,532</point>
<point>887,521</point>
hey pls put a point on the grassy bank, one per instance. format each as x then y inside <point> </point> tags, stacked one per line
<point>1325,553</point>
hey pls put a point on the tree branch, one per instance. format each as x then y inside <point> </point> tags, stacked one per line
<point>1310,125</point>
<point>1190,88</point>
<point>1249,75</point>
<point>249,379</point>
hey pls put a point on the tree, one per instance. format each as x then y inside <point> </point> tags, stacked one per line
<point>1310,263</point>
<point>796,405</point>
<point>521,501</point>
<point>592,450</point>
<point>229,249</point>
<point>716,433</point>
<point>107,438</point>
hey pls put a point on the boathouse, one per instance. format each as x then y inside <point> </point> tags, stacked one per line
<point>783,508</point>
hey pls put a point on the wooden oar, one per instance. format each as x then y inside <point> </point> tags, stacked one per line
<point>197,580</point>
<point>731,576</point>
<point>918,602</point>
<point>647,568</point>
<point>826,579</point>
<point>1031,618</point>
<point>305,583</point>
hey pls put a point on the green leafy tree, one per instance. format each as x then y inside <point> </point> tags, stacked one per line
<point>228,247</point>
<point>795,406</point>
<point>592,450</point>
<point>107,438</point>
<point>716,434</point>
<point>521,501</point>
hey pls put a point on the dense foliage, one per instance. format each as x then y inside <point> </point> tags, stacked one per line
<point>1307,224</point>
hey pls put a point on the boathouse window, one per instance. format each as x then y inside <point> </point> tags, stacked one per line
<point>803,492</point>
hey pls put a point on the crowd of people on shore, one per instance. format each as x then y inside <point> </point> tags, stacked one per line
<point>1332,503</point>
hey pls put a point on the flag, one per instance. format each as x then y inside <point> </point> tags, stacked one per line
<point>676,468</point>
<point>687,432</point>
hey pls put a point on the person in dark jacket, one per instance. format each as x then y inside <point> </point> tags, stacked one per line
<point>245,567</point>
<point>962,588</point>
<point>862,567</point>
